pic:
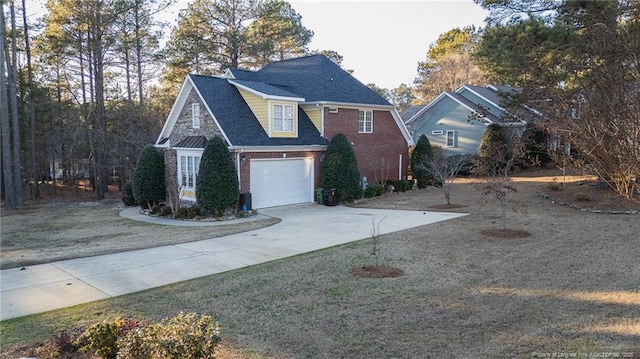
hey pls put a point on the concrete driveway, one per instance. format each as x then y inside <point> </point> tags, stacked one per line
<point>304,228</point>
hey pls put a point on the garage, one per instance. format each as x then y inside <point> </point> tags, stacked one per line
<point>278,182</point>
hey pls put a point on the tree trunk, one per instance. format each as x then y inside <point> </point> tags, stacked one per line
<point>32,109</point>
<point>139,56</point>
<point>13,93</point>
<point>505,202</point>
<point>100,115</point>
<point>7,169</point>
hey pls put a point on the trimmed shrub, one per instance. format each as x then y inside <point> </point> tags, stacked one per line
<point>420,157</point>
<point>102,338</point>
<point>373,191</point>
<point>340,169</point>
<point>181,337</point>
<point>493,143</point>
<point>401,185</point>
<point>148,177</point>
<point>494,151</point>
<point>217,183</point>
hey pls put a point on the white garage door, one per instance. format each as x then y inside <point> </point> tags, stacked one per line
<point>281,182</point>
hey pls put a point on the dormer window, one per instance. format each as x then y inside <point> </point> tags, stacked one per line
<point>283,118</point>
<point>195,115</point>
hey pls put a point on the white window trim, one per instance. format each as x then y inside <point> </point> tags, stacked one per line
<point>195,115</point>
<point>364,121</point>
<point>293,117</point>
<point>453,138</point>
<point>190,156</point>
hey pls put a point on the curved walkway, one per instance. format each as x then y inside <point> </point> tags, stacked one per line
<point>304,228</point>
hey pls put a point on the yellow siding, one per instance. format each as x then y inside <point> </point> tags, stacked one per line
<point>315,115</point>
<point>258,106</point>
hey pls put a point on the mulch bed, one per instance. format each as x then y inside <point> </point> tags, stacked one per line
<point>448,206</point>
<point>505,233</point>
<point>377,272</point>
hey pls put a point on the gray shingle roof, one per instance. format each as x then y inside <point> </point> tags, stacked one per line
<point>265,88</point>
<point>411,111</point>
<point>491,95</point>
<point>316,78</point>
<point>240,124</point>
<point>474,106</point>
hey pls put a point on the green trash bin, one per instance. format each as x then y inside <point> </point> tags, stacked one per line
<point>319,196</point>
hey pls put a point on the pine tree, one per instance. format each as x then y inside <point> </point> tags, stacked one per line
<point>340,169</point>
<point>148,177</point>
<point>217,183</point>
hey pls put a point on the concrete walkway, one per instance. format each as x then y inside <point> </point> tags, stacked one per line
<point>304,228</point>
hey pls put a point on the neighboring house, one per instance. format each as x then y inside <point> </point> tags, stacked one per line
<point>277,123</point>
<point>446,119</point>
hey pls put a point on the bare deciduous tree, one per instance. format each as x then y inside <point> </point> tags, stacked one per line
<point>494,170</point>
<point>445,169</point>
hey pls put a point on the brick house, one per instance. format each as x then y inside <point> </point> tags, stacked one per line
<point>277,123</point>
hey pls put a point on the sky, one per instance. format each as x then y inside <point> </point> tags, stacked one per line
<point>382,41</point>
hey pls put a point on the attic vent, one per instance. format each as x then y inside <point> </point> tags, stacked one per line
<point>437,132</point>
<point>333,110</point>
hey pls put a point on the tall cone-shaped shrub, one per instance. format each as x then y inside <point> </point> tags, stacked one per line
<point>493,141</point>
<point>420,157</point>
<point>340,169</point>
<point>148,177</point>
<point>217,183</point>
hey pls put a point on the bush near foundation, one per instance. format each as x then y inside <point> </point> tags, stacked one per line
<point>340,169</point>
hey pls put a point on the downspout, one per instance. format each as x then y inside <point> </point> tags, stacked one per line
<point>400,166</point>
<point>238,164</point>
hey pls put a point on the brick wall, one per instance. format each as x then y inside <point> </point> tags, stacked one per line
<point>183,126</point>
<point>377,153</point>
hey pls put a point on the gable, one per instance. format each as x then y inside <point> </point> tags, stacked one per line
<point>449,116</point>
<point>179,126</point>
